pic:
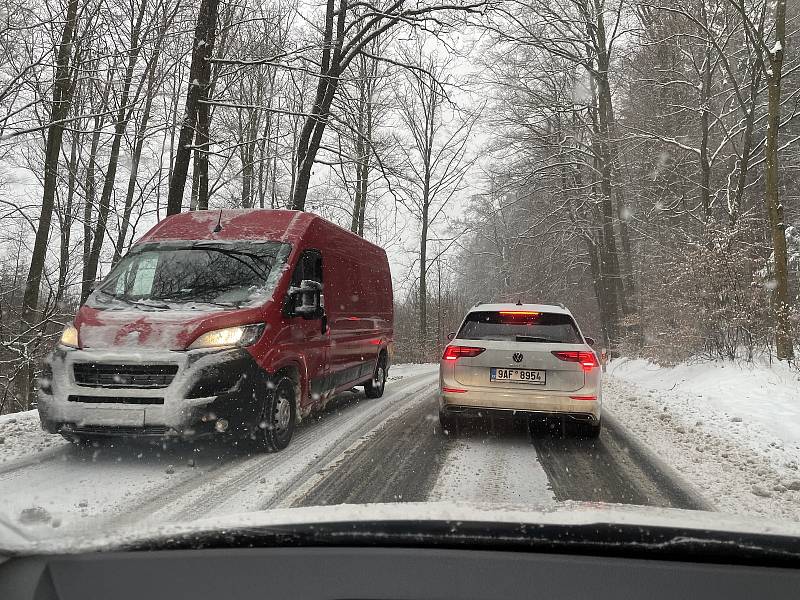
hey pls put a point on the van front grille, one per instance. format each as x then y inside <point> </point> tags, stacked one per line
<point>114,400</point>
<point>124,376</point>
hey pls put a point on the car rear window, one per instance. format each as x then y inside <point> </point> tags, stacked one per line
<point>520,326</point>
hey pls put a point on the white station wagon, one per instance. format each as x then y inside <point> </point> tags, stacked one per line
<point>523,358</point>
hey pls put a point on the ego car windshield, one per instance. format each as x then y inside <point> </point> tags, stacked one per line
<point>160,275</point>
<point>520,327</point>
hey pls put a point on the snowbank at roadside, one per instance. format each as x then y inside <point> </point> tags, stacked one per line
<point>22,435</point>
<point>731,429</point>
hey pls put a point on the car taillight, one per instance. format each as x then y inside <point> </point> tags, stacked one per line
<point>588,360</point>
<point>454,352</point>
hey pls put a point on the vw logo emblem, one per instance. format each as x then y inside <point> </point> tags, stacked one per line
<point>517,357</point>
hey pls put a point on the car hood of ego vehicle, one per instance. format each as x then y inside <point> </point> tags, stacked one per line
<point>570,527</point>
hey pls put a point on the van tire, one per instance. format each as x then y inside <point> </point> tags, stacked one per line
<point>277,416</point>
<point>375,386</point>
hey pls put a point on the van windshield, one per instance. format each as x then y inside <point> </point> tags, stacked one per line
<point>161,276</point>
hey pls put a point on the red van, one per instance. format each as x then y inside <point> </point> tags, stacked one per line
<point>228,322</point>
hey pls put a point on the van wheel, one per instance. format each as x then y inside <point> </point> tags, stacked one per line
<point>375,386</point>
<point>277,416</point>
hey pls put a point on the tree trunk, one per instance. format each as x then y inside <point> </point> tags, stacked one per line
<point>201,156</point>
<point>199,81</point>
<point>62,99</point>
<point>141,136</point>
<point>123,115</point>
<point>423,284</point>
<point>617,279</point>
<point>780,300</point>
<point>705,166</point>
<point>66,220</point>
<point>327,84</point>
<point>609,260</point>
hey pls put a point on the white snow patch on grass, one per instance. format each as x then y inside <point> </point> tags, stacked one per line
<point>733,430</point>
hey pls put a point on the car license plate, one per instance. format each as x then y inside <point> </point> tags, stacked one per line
<point>532,376</point>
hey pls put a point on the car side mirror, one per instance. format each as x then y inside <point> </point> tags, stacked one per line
<point>451,335</point>
<point>590,340</point>
<point>305,301</point>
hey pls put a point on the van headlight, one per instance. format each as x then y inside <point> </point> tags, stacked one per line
<point>241,335</point>
<point>69,337</point>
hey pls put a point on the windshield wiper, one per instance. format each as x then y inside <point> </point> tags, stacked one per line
<point>136,303</point>
<point>195,301</point>
<point>533,338</point>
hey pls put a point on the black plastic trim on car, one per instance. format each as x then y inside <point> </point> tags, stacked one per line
<point>116,430</point>
<point>115,399</point>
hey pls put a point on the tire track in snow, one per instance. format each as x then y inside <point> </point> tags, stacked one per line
<point>257,481</point>
<point>607,469</point>
<point>398,463</point>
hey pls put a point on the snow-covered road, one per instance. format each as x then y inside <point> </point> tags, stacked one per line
<point>357,450</point>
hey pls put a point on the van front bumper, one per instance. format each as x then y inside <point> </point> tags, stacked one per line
<point>211,391</point>
<point>473,401</point>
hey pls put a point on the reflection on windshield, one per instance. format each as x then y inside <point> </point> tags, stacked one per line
<point>226,275</point>
<point>520,327</point>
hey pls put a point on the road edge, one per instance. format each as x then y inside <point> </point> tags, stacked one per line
<point>647,455</point>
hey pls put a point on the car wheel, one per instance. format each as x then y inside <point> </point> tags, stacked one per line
<point>448,423</point>
<point>375,386</point>
<point>277,416</point>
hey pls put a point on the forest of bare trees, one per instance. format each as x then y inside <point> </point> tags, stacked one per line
<point>635,160</point>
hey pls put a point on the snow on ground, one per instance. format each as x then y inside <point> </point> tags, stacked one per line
<point>733,430</point>
<point>75,490</point>
<point>494,470</point>
<point>21,436</point>
<point>399,371</point>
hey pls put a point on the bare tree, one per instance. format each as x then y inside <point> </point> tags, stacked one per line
<point>437,155</point>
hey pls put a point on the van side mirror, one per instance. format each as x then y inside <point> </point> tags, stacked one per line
<point>451,335</point>
<point>590,341</point>
<point>305,301</point>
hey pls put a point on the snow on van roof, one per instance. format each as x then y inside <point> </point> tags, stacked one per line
<point>548,308</point>
<point>283,225</point>
<point>250,224</point>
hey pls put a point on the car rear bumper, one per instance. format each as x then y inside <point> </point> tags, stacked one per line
<point>471,401</point>
<point>211,391</point>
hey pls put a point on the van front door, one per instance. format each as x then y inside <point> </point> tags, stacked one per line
<point>311,337</point>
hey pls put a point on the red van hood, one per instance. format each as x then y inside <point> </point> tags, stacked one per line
<point>167,330</point>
